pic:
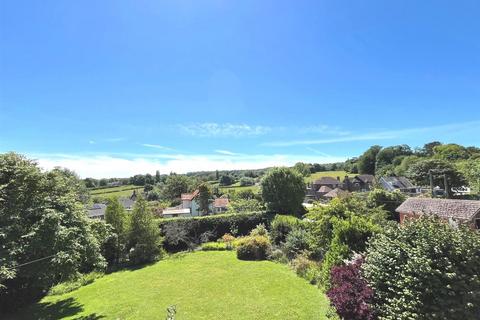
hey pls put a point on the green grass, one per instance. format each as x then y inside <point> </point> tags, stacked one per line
<point>122,191</point>
<point>202,285</point>
<point>333,174</point>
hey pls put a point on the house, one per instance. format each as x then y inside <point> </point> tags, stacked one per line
<point>362,182</point>
<point>220,205</point>
<point>452,210</point>
<point>97,211</point>
<point>337,192</point>
<point>330,182</point>
<point>398,183</point>
<point>190,206</point>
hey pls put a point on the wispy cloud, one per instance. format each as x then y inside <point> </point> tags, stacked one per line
<point>380,135</point>
<point>212,129</point>
<point>156,146</point>
<point>318,152</point>
<point>226,152</point>
<point>91,142</point>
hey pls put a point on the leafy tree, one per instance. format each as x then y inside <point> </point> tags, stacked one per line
<point>144,234</point>
<point>45,235</point>
<point>204,196</point>
<point>471,170</point>
<point>451,152</point>
<point>425,269</point>
<point>158,178</point>
<point>90,183</point>
<point>116,217</point>
<point>366,162</point>
<point>283,190</point>
<point>241,205</point>
<point>387,155</point>
<point>226,180</point>
<point>387,200</point>
<point>350,294</point>
<point>246,181</point>
<point>428,149</point>
<point>405,164</point>
<point>303,168</point>
<point>147,188</point>
<point>103,182</point>
<point>420,173</point>
<point>175,185</point>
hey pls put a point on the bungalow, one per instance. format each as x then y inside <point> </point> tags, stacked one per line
<point>454,211</point>
<point>398,183</point>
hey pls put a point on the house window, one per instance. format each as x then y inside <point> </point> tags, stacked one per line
<point>477,223</point>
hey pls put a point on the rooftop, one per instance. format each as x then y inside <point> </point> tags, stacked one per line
<point>443,208</point>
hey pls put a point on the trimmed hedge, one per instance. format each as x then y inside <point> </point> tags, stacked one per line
<point>195,230</point>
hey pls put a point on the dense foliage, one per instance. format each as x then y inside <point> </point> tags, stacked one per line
<point>425,269</point>
<point>350,294</point>
<point>283,191</point>
<point>45,235</point>
<point>254,247</point>
<point>184,233</point>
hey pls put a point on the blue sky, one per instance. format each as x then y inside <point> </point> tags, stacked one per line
<point>114,88</point>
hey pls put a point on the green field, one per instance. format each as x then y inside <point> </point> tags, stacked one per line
<point>122,191</point>
<point>333,174</point>
<point>202,285</point>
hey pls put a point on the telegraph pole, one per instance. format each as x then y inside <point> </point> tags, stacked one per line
<point>431,183</point>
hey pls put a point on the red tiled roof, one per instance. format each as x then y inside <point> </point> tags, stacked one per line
<point>220,202</point>
<point>443,208</point>
<point>190,196</point>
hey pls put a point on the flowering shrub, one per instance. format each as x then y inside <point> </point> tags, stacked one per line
<point>349,293</point>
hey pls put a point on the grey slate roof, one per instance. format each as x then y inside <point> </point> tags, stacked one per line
<point>97,210</point>
<point>327,181</point>
<point>366,178</point>
<point>443,208</point>
<point>395,183</point>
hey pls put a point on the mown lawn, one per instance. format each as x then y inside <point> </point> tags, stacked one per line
<point>202,285</point>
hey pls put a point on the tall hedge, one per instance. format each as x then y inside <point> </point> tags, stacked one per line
<point>182,233</point>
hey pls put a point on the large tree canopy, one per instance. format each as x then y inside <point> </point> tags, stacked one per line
<point>45,235</point>
<point>420,171</point>
<point>283,190</point>
<point>366,162</point>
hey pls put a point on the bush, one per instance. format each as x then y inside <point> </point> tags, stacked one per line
<point>278,255</point>
<point>425,269</point>
<point>71,285</point>
<point>305,268</point>
<point>254,248</point>
<point>350,294</point>
<point>260,230</point>
<point>215,246</point>
<point>184,233</point>
<point>296,243</point>
<point>281,226</point>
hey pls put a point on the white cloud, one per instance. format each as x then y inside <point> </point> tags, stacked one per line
<point>156,146</point>
<point>105,166</point>
<point>223,130</point>
<point>91,142</point>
